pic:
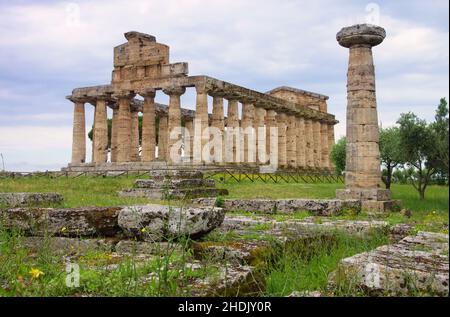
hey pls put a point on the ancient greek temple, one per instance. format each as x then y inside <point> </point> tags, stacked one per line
<point>288,127</point>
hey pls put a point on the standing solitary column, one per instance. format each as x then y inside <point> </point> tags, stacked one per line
<point>362,171</point>
<point>100,134</point>
<point>201,118</point>
<point>79,132</point>
<point>124,128</point>
<point>281,119</point>
<point>148,126</point>
<point>134,145</point>
<point>301,146</point>
<point>324,145</point>
<point>174,120</point>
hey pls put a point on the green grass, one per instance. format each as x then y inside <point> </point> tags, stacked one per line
<point>308,268</point>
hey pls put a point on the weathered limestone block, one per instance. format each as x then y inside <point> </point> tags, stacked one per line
<point>29,199</point>
<point>173,193</point>
<point>318,207</point>
<point>174,174</point>
<point>71,222</point>
<point>143,247</point>
<point>157,222</point>
<point>66,246</point>
<point>416,265</point>
<point>174,183</point>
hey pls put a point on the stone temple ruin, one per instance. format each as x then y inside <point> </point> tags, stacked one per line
<point>302,140</point>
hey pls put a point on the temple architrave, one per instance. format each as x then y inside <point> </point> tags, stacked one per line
<point>304,137</point>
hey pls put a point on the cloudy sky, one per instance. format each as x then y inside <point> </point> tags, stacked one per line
<point>47,48</point>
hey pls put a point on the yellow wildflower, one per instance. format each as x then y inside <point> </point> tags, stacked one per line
<point>35,273</point>
<point>63,229</point>
<point>143,230</point>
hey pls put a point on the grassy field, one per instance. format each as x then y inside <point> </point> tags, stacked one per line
<point>292,270</point>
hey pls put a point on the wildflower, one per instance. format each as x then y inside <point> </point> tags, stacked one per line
<point>143,230</point>
<point>35,273</point>
<point>63,229</point>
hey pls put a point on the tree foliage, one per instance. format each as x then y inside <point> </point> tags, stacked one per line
<point>338,155</point>
<point>390,152</point>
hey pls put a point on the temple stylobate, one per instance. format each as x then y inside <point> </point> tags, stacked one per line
<point>286,127</point>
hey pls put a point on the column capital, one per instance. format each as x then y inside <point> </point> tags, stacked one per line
<point>147,93</point>
<point>201,89</point>
<point>361,34</point>
<point>77,99</point>
<point>174,90</point>
<point>124,94</point>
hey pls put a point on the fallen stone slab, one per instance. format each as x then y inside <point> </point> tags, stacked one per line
<point>70,222</point>
<point>29,199</point>
<point>173,193</point>
<point>317,207</point>
<point>174,183</point>
<point>142,247</point>
<point>176,173</point>
<point>64,245</point>
<point>158,222</point>
<point>417,265</point>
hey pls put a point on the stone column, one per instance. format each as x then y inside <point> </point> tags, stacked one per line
<point>134,145</point>
<point>100,133</point>
<point>330,144</point>
<point>248,133</point>
<point>324,145</point>
<point>317,144</point>
<point>124,128</point>
<point>233,137</point>
<point>301,144</point>
<point>148,126</point>
<point>162,138</point>
<point>271,122</point>
<point>218,122</point>
<point>188,138</point>
<point>114,129</point>
<point>309,143</point>
<point>260,129</point>
<point>174,120</point>
<point>291,141</point>
<point>362,171</point>
<point>79,132</point>
<point>201,117</point>
<point>281,119</point>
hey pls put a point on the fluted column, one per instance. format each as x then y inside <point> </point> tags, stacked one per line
<point>134,145</point>
<point>281,119</point>
<point>201,118</point>
<point>114,129</point>
<point>79,132</point>
<point>174,120</point>
<point>188,138</point>
<point>330,144</point>
<point>324,145</point>
<point>124,127</point>
<point>100,133</point>
<point>301,144</point>
<point>162,138</point>
<point>317,144</point>
<point>148,126</point>
<point>248,133</point>
<point>218,122</point>
<point>271,123</point>
<point>309,143</point>
<point>260,129</point>
<point>232,144</point>
<point>291,144</point>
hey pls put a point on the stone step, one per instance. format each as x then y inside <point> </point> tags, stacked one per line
<point>175,174</point>
<point>173,183</point>
<point>180,193</point>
